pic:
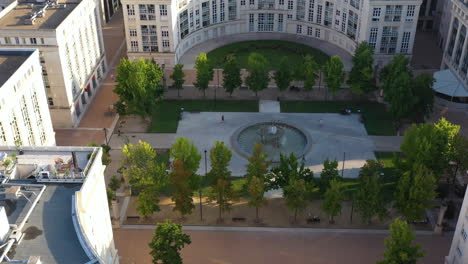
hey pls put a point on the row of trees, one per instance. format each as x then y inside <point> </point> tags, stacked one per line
<point>258,76</point>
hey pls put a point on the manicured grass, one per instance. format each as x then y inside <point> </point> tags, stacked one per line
<point>376,119</point>
<point>272,50</point>
<point>166,114</point>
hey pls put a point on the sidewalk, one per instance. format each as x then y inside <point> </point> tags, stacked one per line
<point>100,113</point>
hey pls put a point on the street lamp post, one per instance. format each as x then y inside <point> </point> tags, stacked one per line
<point>105,135</point>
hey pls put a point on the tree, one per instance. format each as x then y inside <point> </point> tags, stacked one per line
<point>297,195</point>
<point>114,183</point>
<point>282,75</point>
<point>138,86</point>
<point>178,77</point>
<point>220,178</point>
<point>258,78</point>
<point>329,173</point>
<point>288,168</point>
<point>258,163</point>
<point>415,192</point>
<point>168,240</point>
<point>399,248</point>
<point>369,196</point>
<point>424,94</point>
<point>204,72</point>
<point>186,161</point>
<point>334,74</point>
<point>183,191</point>
<point>256,191</point>
<point>333,199</point>
<point>231,75</point>
<point>144,175</point>
<point>396,82</point>
<point>182,149</point>
<point>361,76</point>
<point>459,154</point>
<point>430,144</point>
<point>311,70</point>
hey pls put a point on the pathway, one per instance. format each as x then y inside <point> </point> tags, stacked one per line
<point>387,143</point>
<point>269,106</point>
<point>280,246</point>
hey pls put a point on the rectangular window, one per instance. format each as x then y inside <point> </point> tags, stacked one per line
<point>463,233</point>
<point>7,40</point>
<point>165,43</point>
<point>214,8</point>
<point>33,40</point>
<point>280,22</point>
<point>410,10</point>
<point>373,37</point>
<point>2,135</point>
<point>311,11</point>
<point>376,13</point>
<point>252,2</point>
<point>251,22</point>
<point>405,42</point>
<point>317,33</point>
<point>265,22</point>
<point>133,32</point>
<point>319,14</point>
<point>130,10</point>
<point>290,5</point>
<point>242,2</point>
<point>134,46</point>
<point>163,10</point>
<point>343,25</point>
<point>17,41</point>
<point>299,29</point>
<point>310,31</point>
<point>165,33</point>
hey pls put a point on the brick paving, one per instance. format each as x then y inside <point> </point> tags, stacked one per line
<point>227,247</point>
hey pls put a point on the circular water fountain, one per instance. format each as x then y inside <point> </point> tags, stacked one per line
<point>276,137</point>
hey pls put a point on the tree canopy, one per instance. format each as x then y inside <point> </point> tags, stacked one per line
<point>178,77</point>
<point>334,74</point>
<point>329,172</point>
<point>297,195</point>
<point>333,199</point>
<point>424,94</point>
<point>415,192</point>
<point>399,245</point>
<point>369,196</point>
<point>184,150</point>
<point>311,70</point>
<point>168,240</point>
<point>231,75</point>
<point>258,77</point>
<point>288,168</point>
<point>283,75</point>
<point>138,87</point>
<point>204,72</point>
<point>361,77</point>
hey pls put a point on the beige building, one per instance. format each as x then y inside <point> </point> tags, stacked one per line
<point>165,29</point>
<point>69,38</point>
<point>24,115</point>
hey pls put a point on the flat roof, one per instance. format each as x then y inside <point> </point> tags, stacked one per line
<point>17,18</point>
<point>49,232</point>
<point>9,64</point>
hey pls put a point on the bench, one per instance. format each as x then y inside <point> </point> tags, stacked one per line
<point>238,219</point>
<point>313,220</point>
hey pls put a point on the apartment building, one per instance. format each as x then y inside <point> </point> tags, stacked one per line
<point>69,38</point>
<point>24,114</point>
<point>451,84</point>
<point>63,217</point>
<point>165,30</point>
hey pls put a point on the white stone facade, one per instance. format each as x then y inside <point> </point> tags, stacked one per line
<point>69,39</point>
<point>459,249</point>
<point>24,115</point>
<point>165,29</point>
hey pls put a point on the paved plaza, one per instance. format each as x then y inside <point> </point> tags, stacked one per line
<point>336,137</point>
<point>279,246</point>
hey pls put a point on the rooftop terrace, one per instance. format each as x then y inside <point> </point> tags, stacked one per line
<point>19,17</point>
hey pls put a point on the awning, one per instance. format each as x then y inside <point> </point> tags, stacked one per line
<point>447,83</point>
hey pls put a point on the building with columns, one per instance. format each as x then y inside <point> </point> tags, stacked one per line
<point>24,115</point>
<point>71,50</point>
<point>165,30</point>
<point>451,84</point>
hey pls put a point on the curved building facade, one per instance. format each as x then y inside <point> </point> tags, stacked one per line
<point>165,30</point>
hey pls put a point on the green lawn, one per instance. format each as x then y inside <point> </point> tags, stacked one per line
<point>376,119</point>
<point>166,115</point>
<point>272,50</point>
